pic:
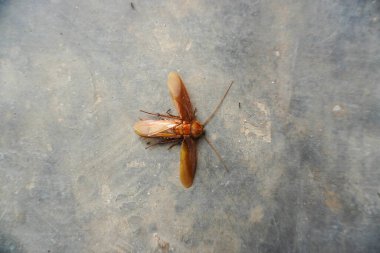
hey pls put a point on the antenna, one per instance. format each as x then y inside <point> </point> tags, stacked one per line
<point>217,108</point>
<point>216,152</point>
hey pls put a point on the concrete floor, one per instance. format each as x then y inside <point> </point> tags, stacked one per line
<point>302,148</point>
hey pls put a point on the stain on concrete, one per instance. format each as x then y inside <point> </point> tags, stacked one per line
<point>9,244</point>
<point>332,201</point>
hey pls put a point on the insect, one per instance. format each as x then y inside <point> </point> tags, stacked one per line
<point>184,128</point>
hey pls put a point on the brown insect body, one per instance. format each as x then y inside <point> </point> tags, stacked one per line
<point>184,127</point>
<point>175,128</point>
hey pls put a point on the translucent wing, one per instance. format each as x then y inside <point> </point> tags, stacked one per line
<point>180,97</point>
<point>156,128</point>
<point>188,161</point>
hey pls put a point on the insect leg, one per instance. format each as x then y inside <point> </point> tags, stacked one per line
<point>162,115</point>
<point>165,141</point>
<point>176,143</point>
<point>168,112</point>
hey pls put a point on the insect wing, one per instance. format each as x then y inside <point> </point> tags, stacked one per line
<point>156,128</point>
<point>180,97</point>
<point>188,161</point>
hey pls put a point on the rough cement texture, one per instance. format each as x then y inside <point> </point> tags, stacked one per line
<point>302,148</point>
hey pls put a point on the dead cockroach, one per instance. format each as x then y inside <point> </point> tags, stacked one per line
<point>184,128</point>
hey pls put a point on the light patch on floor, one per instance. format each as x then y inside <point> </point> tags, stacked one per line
<point>257,214</point>
<point>258,123</point>
<point>136,164</point>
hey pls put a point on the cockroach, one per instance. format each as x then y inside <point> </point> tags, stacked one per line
<point>184,128</point>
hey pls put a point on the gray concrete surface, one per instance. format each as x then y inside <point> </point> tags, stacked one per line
<point>303,148</point>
